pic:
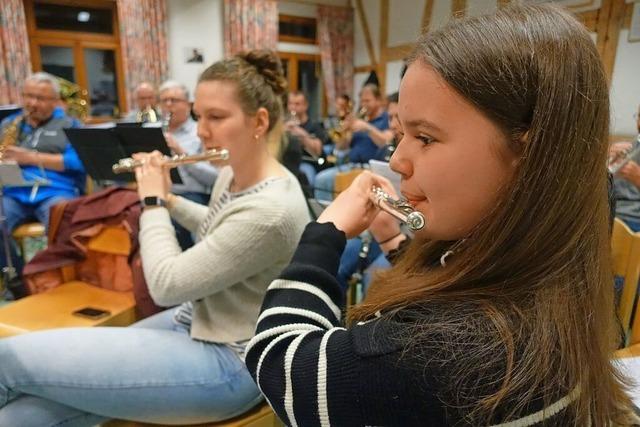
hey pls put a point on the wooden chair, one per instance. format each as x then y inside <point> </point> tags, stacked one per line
<point>344,180</point>
<point>31,230</point>
<point>625,248</point>
<point>54,309</point>
<point>260,416</point>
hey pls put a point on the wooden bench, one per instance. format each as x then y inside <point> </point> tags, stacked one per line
<point>260,416</point>
<point>54,308</point>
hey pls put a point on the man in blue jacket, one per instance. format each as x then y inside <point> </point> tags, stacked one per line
<point>35,140</point>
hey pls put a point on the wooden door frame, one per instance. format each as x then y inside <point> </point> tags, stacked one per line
<point>292,73</point>
<point>78,41</point>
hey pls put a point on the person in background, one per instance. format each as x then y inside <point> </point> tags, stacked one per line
<point>310,133</point>
<point>501,310</point>
<point>182,138</point>
<point>627,181</point>
<point>184,365</point>
<point>35,140</point>
<point>146,100</point>
<point>354,259</point>
<point>362,136</point>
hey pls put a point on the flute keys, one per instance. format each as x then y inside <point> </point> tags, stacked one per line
<point>415,221</point>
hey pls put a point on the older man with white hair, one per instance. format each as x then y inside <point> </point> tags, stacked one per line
<point>35,140</point>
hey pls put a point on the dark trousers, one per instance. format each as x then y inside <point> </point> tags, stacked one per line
<point>185,239</point>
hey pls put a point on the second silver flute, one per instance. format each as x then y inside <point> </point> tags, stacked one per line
<point>400,209</point>
<point>129,164</point>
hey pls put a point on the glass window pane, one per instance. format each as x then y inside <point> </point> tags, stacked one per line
<point>310,82</point>
<point>302,28</point>
<point>103,87</point>
<point>58,61</point>
<point>73,18</point>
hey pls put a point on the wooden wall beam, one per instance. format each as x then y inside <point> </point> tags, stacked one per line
<point>397,53</point>
<point>426,15</point>
<point>589,19</point>
<point>616,18</point>
<point>458,8</point>
<point>384,42</point>
<point>365,30</point>
<point>363,69</point>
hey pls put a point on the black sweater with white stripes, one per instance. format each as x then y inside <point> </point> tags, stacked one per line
<point>315,372</point>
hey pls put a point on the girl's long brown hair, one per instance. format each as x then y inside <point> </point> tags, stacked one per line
<point>530,291</point>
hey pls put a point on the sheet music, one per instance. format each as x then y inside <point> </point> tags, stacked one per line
<point>631,367</point>
<point>382,168</point>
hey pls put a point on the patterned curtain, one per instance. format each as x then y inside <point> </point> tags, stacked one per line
<point>15,63</point>
<point>250,24</point>
<point>143,39</point>
<point>335,37</point>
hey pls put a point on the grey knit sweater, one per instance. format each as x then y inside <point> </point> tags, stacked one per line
<point>244,247</point>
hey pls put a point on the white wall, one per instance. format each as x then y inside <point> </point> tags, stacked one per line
<point>404,27</point>
<point>625,86</point>
<point>194,23</point>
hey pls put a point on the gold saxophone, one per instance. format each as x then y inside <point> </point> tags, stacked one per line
<point>10,135</point>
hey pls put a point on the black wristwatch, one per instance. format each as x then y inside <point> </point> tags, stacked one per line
<point>153,201</point>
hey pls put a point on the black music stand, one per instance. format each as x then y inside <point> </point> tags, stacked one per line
<point>11,176</point>
<point>100,148</point>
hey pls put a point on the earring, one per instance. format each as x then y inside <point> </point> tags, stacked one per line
<point>443,258</point>
<point>256,137</point>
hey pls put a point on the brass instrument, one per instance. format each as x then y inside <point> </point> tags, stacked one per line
<point>399,209</point>
<point>339,132</point>
<point>75,97</point>
<point>617,161</point>
<point>10,135</point>
<point>148,115</point>
<point>129,165</point>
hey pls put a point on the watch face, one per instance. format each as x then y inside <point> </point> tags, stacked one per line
<point>152,201</point>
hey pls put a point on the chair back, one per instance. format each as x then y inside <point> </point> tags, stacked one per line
<point>344,180</point>
<point>625,249</point>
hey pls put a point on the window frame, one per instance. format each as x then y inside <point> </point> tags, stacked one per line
<point>78,41</point>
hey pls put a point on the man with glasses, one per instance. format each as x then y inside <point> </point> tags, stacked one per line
<point>145,98</point>
<point>35,140</point>
<point>182,138</point>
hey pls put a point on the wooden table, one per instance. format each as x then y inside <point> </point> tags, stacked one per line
<point>54,308</point>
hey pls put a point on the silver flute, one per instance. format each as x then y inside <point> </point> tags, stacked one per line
<point>399,209</point>
<point>129,164</point>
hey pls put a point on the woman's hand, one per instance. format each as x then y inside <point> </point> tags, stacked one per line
<point>353,211</point>
<point>153,179</point>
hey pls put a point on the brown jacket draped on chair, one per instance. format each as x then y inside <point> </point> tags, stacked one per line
<point>94,239</point>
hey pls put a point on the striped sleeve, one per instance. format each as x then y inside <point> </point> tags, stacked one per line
<point>301,358</point>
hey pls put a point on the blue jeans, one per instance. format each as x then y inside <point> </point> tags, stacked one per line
<point>309,171</point>
<point>149,372</point>
<point>633,225</point>
<point>18,213</point>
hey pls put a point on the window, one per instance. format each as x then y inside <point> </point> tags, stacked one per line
<point>296,29</point>
<point>78,41</point>
<point>303,72</point>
